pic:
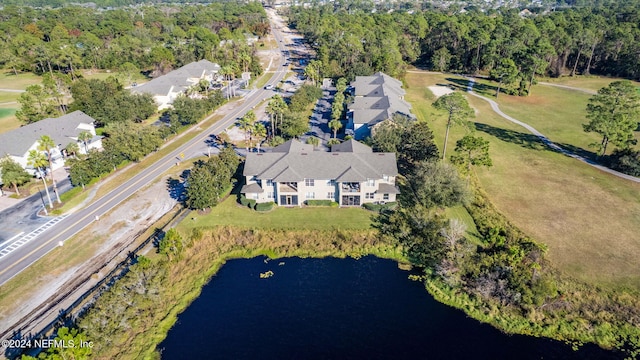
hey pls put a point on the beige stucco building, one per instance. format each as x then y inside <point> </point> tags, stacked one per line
<point>292,173</point>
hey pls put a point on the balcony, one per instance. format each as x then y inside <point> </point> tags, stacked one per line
<point>290,187</point>
<point>350,187</point>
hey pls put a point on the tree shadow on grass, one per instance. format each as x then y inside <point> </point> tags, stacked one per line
<point>479,88</point>
<point>530,141</point>
<point>527,141</point>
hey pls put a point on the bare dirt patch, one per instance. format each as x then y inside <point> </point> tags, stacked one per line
<point>80,257</point>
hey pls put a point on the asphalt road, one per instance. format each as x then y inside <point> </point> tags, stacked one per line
<point>23,257</point>
<point>23,217</point>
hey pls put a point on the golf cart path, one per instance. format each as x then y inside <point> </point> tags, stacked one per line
<point>545,140</point>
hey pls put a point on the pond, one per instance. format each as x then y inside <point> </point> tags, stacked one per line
<point>338,309</point>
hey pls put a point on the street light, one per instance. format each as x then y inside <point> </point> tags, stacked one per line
<point>44,206</point>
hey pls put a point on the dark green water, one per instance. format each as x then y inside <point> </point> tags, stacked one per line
<point>338,309</point>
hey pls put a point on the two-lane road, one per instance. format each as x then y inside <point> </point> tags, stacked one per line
<point>24,256</point>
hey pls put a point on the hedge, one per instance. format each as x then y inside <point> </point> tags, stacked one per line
<point>322,203</point>
<point>264,206</point>
<point>380,207</point>
<point>250,203</point>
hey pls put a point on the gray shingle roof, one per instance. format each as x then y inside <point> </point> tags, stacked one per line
<point>177,78</point>
<point>251,188</point>
<point>378,98</point>
<point>62,130</point>
<point>300,165</point>
<point>387,189</point>
<point>351,146</point>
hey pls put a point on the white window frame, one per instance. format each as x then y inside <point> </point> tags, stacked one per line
<point>331,195</point>
<point>310,195</point>
<point>371,182</point>
<point>309,182</point>
<point>369,196</point>
<point>270,195</point>
<point>385,177</point>
<point>385,197</point>
<point>269,182</point>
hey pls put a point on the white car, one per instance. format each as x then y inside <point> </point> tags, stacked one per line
<point>269,87</point>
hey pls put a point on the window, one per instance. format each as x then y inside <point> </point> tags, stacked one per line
<point>308,182</point>
<point>368,196</point>
<point>270,195</point>
<point>331,195</point>
<point>331,182</point>
<point>269,182</point>
<point>254,196</point>
<point>385,177</point>
<point>371,182</point>
<point>385,197</point>
<point>311,195</point>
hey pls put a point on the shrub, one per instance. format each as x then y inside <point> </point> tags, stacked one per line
<point>244,201</point>
<point>626,161</point>
<point>322,203</point>
<point>380,207</point>
<point>265,206</point>
<point>251,204</point>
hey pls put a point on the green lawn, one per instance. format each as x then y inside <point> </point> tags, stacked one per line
<point>583,82</point>
<point>588,219</point>
<point>8,120</point>
<point>229,212</point>
<point>557,113</point>
<point>20,82</point>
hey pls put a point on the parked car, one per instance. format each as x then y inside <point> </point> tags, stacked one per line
<point>269,87</point>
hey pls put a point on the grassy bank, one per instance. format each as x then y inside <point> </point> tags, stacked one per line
<point>230,213</point>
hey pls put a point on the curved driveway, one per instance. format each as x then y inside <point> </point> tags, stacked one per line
<point>549,143</point>
<point>23,257</point>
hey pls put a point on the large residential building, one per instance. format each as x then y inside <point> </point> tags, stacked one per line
<point>166,88</point>
<point>63,130</point>
<point>351,175</point>
<point>376,99</point>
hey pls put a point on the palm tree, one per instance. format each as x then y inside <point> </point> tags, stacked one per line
<point>246,125</point>
<point>276,106</point>
<point>259,132</point>
<point>39,162</point>
<point>312,140</point>
<point>47,144</point>
<point>85,136</point>
<point>72,148</point>
<point>335,125</point>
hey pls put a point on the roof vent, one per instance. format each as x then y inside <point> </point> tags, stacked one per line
<point>303,153</point>
<point>335,153</point>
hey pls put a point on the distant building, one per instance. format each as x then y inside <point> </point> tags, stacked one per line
<point>63,130</point>
<point>376,98</point>
<point>166,88</point>
<point>351,175</point>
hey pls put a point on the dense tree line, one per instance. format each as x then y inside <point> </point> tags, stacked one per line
<point>584,40</point>
<point>108,102</point>
<point>148,38</point>
<point>125,141</point>
<point>209,180</point>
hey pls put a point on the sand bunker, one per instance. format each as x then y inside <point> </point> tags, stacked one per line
<point>439,90</point>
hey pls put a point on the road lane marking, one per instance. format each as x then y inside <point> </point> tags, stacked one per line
<point>147,176</point>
